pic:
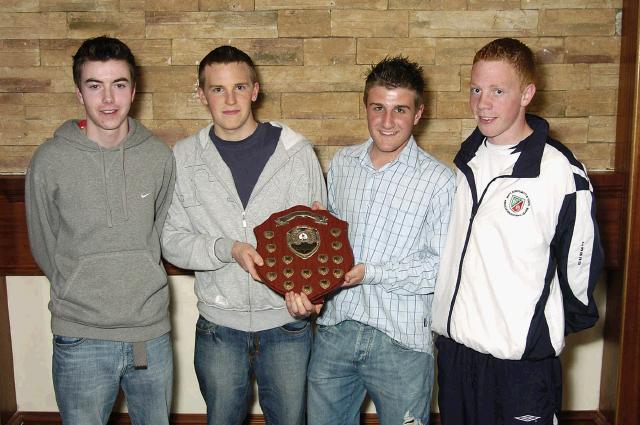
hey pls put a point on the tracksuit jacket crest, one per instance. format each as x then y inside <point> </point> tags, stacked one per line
<point>522,258</point>
<point>207,216</point>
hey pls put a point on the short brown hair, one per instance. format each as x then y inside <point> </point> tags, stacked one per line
<point>396,72</point>
<point>224,55</point>
<point>102,49</point>
<point>515,53</point>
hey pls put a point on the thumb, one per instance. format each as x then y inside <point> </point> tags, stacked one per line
<point>349,275</point>
<point>257,259</point>
<point>317,206</point>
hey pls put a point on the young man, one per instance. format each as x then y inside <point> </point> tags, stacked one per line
<point>231,176</point>
<point>522,257</point>
<point>374,336</point>
<point>96,196</point>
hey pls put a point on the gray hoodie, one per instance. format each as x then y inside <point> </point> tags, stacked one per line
<point>206,217</point>
<point>95,216</point>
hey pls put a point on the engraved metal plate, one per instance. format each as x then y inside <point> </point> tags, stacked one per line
<point>303,241</point>
<point>305,251</point>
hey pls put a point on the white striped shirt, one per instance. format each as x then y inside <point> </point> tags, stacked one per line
<point>398,218</point>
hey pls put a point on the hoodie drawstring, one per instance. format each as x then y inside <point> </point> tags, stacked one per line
<point>106,190</point>
<point>124,184</point>
<point>123,188</point>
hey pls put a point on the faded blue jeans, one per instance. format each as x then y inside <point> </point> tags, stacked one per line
<point>351,359</point>
<point>88,373</point>
<point>226,358</point>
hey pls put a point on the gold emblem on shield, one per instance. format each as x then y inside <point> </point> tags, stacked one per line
<point>303,241</point>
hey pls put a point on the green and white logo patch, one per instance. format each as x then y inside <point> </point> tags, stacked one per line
<point>517,203</point>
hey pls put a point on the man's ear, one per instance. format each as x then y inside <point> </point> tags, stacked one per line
<point>256,90</point>
<point>527,94</point>
<point>418,114</point>
<point>79,96</point>
<point>203,98</point>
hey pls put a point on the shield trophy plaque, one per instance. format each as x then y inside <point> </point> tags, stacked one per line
<point>303,251</point>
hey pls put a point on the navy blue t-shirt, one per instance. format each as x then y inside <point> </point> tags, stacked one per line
<point>246,158</point>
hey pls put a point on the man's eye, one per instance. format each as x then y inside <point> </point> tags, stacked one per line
<point>475,90</point>
<point>499,91</point>
<point>241,87</point>
<point>400,110</point>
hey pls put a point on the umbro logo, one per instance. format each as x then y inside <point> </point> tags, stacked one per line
<point>527,418</point>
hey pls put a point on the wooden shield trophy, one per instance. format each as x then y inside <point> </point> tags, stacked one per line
<point>304,251</point>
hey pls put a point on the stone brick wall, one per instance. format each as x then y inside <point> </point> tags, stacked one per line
<point>312,57</point>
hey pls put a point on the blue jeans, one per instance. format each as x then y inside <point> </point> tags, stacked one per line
<point>88,373</point>
<point>351,359</point>
<point>225,359</point>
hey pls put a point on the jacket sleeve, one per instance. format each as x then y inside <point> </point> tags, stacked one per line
<point>309,184</point>
<point>164,196</point>
<point>579,254</point>
<point>182,244</point>
<point>42,219</point>
<point>416,273</point>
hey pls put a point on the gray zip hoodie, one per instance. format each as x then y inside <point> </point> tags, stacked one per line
<point>95,216</point>
<point>206,217</point>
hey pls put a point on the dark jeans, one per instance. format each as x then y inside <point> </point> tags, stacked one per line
<point>225,359</point>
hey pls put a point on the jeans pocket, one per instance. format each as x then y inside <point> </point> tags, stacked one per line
<point>67,341</point>
<point>399,346</point>
<point>324,328</point>
<point>204,326</point>
<point>298,326</point>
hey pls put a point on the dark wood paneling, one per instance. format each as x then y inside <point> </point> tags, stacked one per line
<point>627,86</point>
<point>628,161</point>
<point>620,379</point>
<point>52,418</point>
<point>15,256</point>
<point>16,259</point>
<point>629,358</point>
<point>16,419</point>
<point>7,388</point>
<point>608,189</point>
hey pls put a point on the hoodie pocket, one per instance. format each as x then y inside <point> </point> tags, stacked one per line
<point>225,288</point>
<point>115,289</point>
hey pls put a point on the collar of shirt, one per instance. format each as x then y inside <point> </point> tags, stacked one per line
<point>408,156</point>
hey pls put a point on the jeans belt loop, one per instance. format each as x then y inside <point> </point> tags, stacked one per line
<point>140,355</point>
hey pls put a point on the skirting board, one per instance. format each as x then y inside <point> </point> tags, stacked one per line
<point>582,417</point>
